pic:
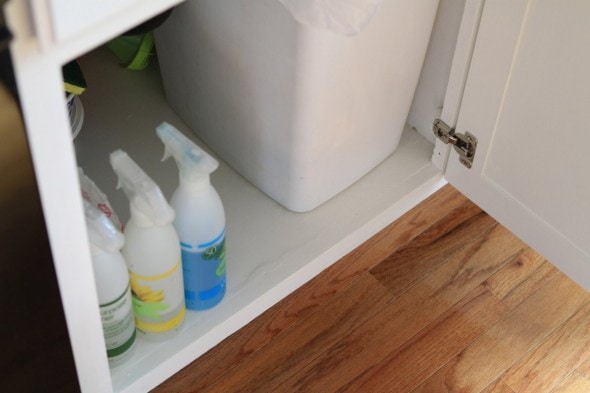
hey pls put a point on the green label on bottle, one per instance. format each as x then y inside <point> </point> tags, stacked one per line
<point>118,325</point>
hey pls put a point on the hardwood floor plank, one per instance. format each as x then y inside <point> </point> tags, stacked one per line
<point>411,312</point>
<point>574,383</point>
<point>414,222</point>
<point>545,273</point>
<point>442,204</point>
<point>515,277</point>
<point>560,354</point>
<point>584,368</point>
<point>254,336</point>
<point>432,347</point>
<point>312,295</point>
<point>431,248</point>
<point>396,235</point>
<point>498,387</point>
<point>332,321</point>
<point>508,341</point>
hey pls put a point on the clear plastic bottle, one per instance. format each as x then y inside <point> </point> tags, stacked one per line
<point>199,222</point>
<point>112,284</point>
<point>152,253</point>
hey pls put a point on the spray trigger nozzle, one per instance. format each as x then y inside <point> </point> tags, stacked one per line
<point>101,231</point>
<point>144,195</point>
<point>194,163</point>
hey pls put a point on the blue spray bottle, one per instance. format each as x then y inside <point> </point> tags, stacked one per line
<point>199,221</point>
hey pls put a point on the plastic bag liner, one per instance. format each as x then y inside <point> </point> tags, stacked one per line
<point>345,17</point>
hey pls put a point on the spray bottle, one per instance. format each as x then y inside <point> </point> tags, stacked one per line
<point>152,253</point>
<point>112,285</point>
<point>199,222</point>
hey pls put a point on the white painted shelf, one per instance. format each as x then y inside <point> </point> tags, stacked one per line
<point>271,251</point>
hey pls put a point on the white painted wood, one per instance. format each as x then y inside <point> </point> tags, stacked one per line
<point>37,62</point>
<point>428,100</point>
<point>527,101</point>
<point>458,75</point>
<point>39,11</point>
<point>71,17</point>
<point>64,29</point>
<point>63,20</point>
<point>44,110</point>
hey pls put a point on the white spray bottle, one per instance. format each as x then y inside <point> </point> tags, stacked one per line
<point>152,253</point>
<point>199,222</point>
<point>112,284</point>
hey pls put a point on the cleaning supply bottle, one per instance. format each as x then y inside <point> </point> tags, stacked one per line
<point>112,285</point>
<point>200,220</point>
<point>152,253</point>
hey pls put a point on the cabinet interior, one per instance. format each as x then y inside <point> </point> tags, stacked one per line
<point>271,251</point>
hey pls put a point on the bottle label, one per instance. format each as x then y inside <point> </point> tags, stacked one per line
<point>203,266</point>
<point>117,324</point>
<point>158,301</point>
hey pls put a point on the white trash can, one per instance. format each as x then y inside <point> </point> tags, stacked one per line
<point>298,101</point>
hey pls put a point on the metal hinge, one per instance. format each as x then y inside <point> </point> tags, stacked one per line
<point>464,144</point>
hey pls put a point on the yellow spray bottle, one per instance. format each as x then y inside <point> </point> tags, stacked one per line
<point>152,253</point>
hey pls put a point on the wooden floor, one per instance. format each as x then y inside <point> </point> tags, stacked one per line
<point>443,300</point>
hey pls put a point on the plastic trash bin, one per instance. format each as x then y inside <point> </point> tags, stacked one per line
<point>302,108</point>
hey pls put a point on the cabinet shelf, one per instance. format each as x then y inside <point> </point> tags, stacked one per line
<point>271,251</point>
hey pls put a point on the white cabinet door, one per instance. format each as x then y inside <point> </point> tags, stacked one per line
<point>527,100</point>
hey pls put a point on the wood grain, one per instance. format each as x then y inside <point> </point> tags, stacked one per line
<point>417,220</point>
<point>443,300</point>
<point>498,387</point>
<point>434,246</point>
<point>584,369</point>
<point>433,346</point>
<point>312,295</point>
<point>543,369</point>
<point>325,327</point>
<point>411,312</point>
<point>515,278</point>
<point>504,344</point>
<point>574,383</point>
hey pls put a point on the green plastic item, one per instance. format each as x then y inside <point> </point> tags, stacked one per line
<point>133,51</point>
<point>73,77</point>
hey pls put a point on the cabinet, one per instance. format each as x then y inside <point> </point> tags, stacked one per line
<point>271,251</point>
<point>527,100</point>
